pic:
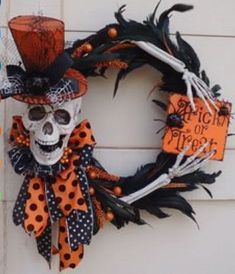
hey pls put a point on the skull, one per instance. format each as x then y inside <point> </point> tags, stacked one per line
<point>50,127</point>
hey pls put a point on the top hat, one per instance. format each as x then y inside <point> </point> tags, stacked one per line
<point>48,76</point>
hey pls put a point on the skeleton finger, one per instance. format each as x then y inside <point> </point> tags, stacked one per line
<point>204,85</point>
<point>200,95</point>
<point>179,159</point>
<point>194,156</point>
<point>190,95</point>
<point>181,155</point>
<point>205,92</point>
<point>198,163</point>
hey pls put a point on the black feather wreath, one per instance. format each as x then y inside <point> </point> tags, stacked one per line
<point>153,30</point>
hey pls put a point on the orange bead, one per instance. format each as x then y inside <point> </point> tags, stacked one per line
<point>92,175</point>
<point>109,216</point>
<point>92,191</point>
<point>117,190</point>
<point>88,47</point>
<point>112,33</point>
<point>54,250</point>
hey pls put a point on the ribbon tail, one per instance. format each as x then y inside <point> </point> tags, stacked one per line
<point>80,226</point>
<point>19,208</point>
<point>68,257</point>
<point>44,244</point>
<point>55,212</point>
<point>85,223</point>
<point>79,223</point>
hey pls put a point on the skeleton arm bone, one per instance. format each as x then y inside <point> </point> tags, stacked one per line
<point>161,181</point>
<point>160,54</point>
<point>190,165</point>
<point>190,79</point>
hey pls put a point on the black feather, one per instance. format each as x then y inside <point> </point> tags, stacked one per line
<point>155,201</point>
<point>188,55</point>
<point>215,90</point>
<point>118,15</point>
<point>167,200</point>
<point>205,77</point>
<point>160,104</point>
<point>177,7</point>
<point>123,212</point>
<point>123,73</point>
<point>157,212</point>
<point>151,19</point>
<point>207,191</point>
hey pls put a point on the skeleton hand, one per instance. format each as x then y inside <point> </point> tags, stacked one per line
<point>190,165</point>
<point>202,90</point>
<point>191,80</point>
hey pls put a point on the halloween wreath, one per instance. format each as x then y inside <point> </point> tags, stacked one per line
<point>63,183</point>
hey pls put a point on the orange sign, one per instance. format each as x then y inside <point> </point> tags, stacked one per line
<point>186,127</point>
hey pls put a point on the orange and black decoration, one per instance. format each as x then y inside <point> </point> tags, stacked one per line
<point>196,128</point>
<point>48,68</point>
<point>79,197</point>
<point>77,194</point>
<point>63,199</point>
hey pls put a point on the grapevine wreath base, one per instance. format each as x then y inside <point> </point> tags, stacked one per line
<point>63,183</point>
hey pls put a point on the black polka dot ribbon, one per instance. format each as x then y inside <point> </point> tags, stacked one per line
<point>44,243</point>
<point>83,227</point>
<point>54,210</point>
<point>19,208</point>
<point>72,228</point>
<point>85,156</point>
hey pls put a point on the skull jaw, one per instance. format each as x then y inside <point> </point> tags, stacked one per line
<point>47,158</point>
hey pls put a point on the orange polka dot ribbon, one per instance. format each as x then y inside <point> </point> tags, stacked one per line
<point>61,198</point>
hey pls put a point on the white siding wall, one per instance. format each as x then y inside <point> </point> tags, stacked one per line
<point>125,133</point>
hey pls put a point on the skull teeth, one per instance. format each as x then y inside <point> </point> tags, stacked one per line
<point>46,143</point>
<point>48,147</point>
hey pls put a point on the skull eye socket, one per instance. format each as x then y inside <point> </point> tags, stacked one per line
<point>37,113</point>
<point>62,117</point>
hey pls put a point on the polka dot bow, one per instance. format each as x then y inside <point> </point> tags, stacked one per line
<point>62,199</point>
